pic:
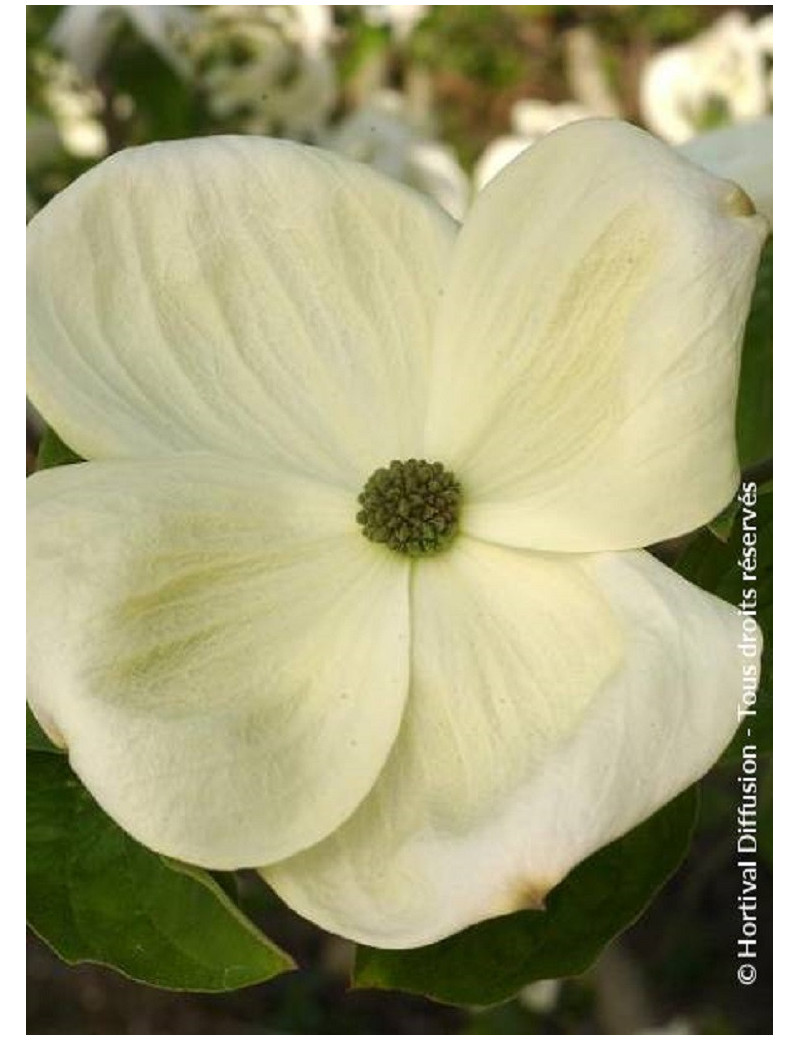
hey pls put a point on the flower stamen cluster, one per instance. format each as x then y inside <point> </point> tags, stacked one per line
<point>411,507</point>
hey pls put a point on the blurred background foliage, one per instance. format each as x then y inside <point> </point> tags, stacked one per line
<point>440,97</point>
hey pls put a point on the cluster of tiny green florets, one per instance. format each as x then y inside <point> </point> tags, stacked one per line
<point>411,507</point>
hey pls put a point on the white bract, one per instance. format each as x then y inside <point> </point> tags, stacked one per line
<point>530,120</point>
<point>382,133</point>
<point>85,32</point>
<point>238,332</point>
<point>719,76</point>
<point>267,67</point>
<point>401,18</point>
<point>73,123</point>
<point>587,72</point>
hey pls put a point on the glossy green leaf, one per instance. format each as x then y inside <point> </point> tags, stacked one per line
<point>716,566</point>
<point>94,894</point>
<point>54,452</point>
<point>491,961</point>
<point>754,410</point>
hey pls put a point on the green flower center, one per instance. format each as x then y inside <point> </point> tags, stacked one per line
<point>411,507</point>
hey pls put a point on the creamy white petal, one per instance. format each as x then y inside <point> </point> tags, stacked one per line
<point>509,649</point>
<point>523,749</point>
<point>741,152</point>
<point>240,295</point>
<point>224,656</point>
<point>587,356</point>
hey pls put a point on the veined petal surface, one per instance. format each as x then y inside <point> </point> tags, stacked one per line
<point>509,649</point>
<point>587,354</point>
<point>556,702</point>
<point>238,295</point>
<point>222,653</point>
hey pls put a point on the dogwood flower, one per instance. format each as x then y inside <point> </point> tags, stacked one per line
<point>84,32</point>
<point>402,19</point>
<point>350,591</point>
<point>587,72</point>
<point>73,115</point>
<point>383,133</point>
<point>719,76</point>
<point>267,67</point>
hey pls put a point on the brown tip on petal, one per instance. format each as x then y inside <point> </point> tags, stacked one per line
<point>737,203</point>
<point>530,895</point>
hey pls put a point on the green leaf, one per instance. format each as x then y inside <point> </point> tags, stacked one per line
<point>35,737</point>
<point>715,566</point>
<point>491,961</point>
<point>94,894</point>
<point>723,523</point>
<point>754,410</point>
<point>54,452</point>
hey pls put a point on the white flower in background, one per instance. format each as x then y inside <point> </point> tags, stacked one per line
<point>679,1026</point>
<point>719,76</point>
<point>268,67</point>
<point>540,997</point>
<point>242,334</point>
<point>530,121</point>
<point>84,32</point>
<point>763,29</point>
<point>742,153</point>
<point>76,114</point>
<point>381,134</point>
<point>587,72</point>
<point>402,19</point>
<point>532,118</point>
<point>73,122</point>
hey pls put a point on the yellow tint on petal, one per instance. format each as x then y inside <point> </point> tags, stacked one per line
<point>556,702</point>
<point>222,653</point>
<point>510,650</point>
<point>241,295</point>
<point>587,351</point>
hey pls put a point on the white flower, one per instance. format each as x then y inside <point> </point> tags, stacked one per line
<point>84,32</point>
<point>587,72</point>
<point>540,997</point>
<point>383,135</point>
<point>74,111</point>
<point>267,66</point>
<point>401,18</point>
<point>530,120</point>
<point>742,153</point>
<point>763,31</point>
<point>239,332</point>
<point>719,76</point>
<point>675,1025</point>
